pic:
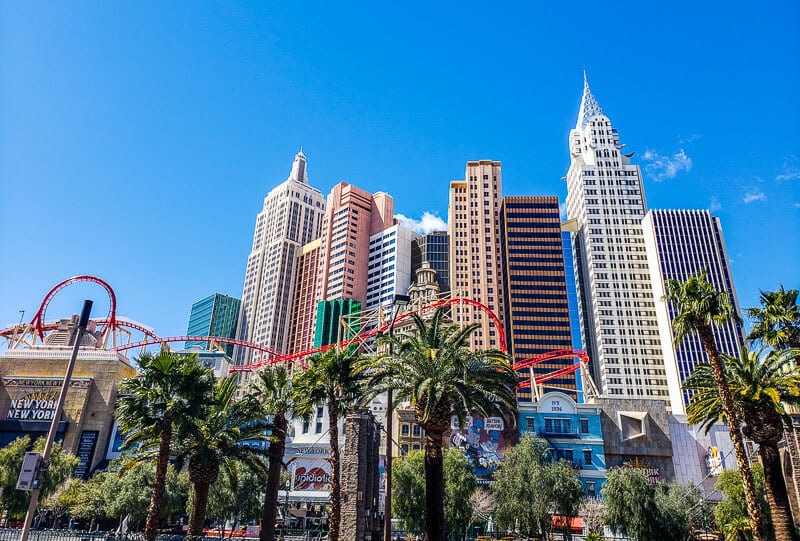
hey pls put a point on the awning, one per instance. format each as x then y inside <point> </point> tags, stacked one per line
<point>313,496</point>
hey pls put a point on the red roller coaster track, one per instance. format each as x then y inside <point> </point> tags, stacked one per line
<point>550,356</point>
<point>38,321</point>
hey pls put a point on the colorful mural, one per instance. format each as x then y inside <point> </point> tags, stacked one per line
<point>483,441</point>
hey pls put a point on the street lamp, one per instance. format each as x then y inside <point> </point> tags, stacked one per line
<point>51,435</point>
<point>399,301</point>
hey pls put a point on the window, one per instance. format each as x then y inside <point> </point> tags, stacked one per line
<point>318,427</point>
<point>587,457</point>
<point>404,430</point>
<point>566,454</point>
<point>584,426</point>
<point>404,449</point>
<point>590,491</point>
<point>416,431</point>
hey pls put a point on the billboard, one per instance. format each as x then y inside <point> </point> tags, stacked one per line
<point>483,441</point>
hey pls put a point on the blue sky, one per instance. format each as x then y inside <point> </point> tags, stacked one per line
<point>138,139</point>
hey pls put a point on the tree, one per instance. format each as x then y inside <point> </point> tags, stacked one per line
<point>408,486</point>
<point>630,502</point>
<point>698,306</point>
<point>592,510</point>
<point>60,468</point>
<point>732,511</point>
<point>459,485</point>
<point>777,320</point>
<point>483,505</point>
<point>530,489</point>
<point>431,367</point>
<point>762,384</point>
<point>331,380</point>
<point>215,440</point>
<point>408,490</point>
<point>680,509</point>
<point>169,390</point>
<point>273,391</point>
<point>235,496</point>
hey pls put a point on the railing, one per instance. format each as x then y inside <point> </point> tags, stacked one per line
<point>560,432</point>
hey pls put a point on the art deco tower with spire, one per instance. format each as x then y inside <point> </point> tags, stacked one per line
<point>605,207</point>
<point>291,217</point>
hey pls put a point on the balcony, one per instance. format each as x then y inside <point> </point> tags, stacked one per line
<point>559,432</point>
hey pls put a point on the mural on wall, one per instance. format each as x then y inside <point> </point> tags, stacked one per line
<point>483,441</point>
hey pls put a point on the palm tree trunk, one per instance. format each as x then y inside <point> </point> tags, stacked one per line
<point>756,518</point>
<point>777,497</point>
<point>336,504</point>
<point>277,447</point>
<point>160,482</point>
<point>434,486</point>
<point>199,505</point>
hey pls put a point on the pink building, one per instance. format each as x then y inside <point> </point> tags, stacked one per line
<point>352,215</point>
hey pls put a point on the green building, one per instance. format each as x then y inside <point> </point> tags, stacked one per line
<point>328,328</point>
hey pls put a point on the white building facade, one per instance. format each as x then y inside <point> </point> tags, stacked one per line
<point>389,265</point>
<point>291,217</point>
<point>605,205</point>
<point>679,244</point>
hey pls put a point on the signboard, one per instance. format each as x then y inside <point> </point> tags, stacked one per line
<point>714,461</point>
<point>483,442</point>
<point>653,474</point>
<point>86,447</point>
<point>38,405</point>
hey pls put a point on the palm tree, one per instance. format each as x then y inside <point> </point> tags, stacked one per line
<point>169,389</point>
<point>698,306</point>
<point>777,321</point>
<point>331,381</point>
<point>762,386</point>
<point>432,368</point>
<point>216,439</point>
<point>273,391</point>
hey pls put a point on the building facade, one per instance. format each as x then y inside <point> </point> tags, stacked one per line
<point>606,204</point>
<point>535,288</point>
<point>682,243</point>
<point>389,271</point>
<point>303,322</point>
<point>30,383</point>
<point>433,247</point>
<point>572,431</point>
<point>291,217</point>
<point>215,315</point>
<point>473,224</point>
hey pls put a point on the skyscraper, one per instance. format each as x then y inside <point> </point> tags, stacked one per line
<point>215,315</point>
<point>301,329</point>
<point>681,243</point>
<point>389,270</point>
<point>433,247</point>
<point>535,287</point>
<point>291,217</point>
<point>352,216</point>
<point>473,223</point>
<point>606,204</point>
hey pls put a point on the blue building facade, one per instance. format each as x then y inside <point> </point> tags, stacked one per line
<point>215,315</point>
<point>573,432</point>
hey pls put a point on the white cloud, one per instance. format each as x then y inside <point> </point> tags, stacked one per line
<point>664,167</point>
<point>791,171</point>
<point>797,205</point>
<point>714,205</point>
<point>691,139</point>
<point>754,195</point>
<point>429,222</point>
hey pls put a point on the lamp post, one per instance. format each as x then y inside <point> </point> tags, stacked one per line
<point>51,435</point>
<point>399,301</point>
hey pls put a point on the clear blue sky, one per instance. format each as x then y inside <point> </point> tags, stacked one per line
<point>138,139</point>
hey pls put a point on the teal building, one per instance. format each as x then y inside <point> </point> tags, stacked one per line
<point>215,315</point>
<point>573,433</point>
<point>329,328</point>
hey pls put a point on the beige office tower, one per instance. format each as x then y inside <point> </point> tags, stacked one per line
<point>473,223</point>
<point>617,309</point>
<point>291,217</point>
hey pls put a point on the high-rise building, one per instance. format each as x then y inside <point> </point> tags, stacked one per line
<point>291,217</point>
<point>535,287</point>
<point>301,330</point>
<point>215,315</point>
<point>433,247</point>
<point>389,270</point>
<point>473,224</point>
<point>681,243</point>
<point>352,216</point>
<point>606,204</point>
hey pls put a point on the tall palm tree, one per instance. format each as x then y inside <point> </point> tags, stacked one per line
<point>216,439</point>
<point>330,380</point>
<point>169,390</point>
<point>762,385</point>
<point>273,391</point>
<point>697,307</point>
<point>777,320</point>
<point>432,368</point>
